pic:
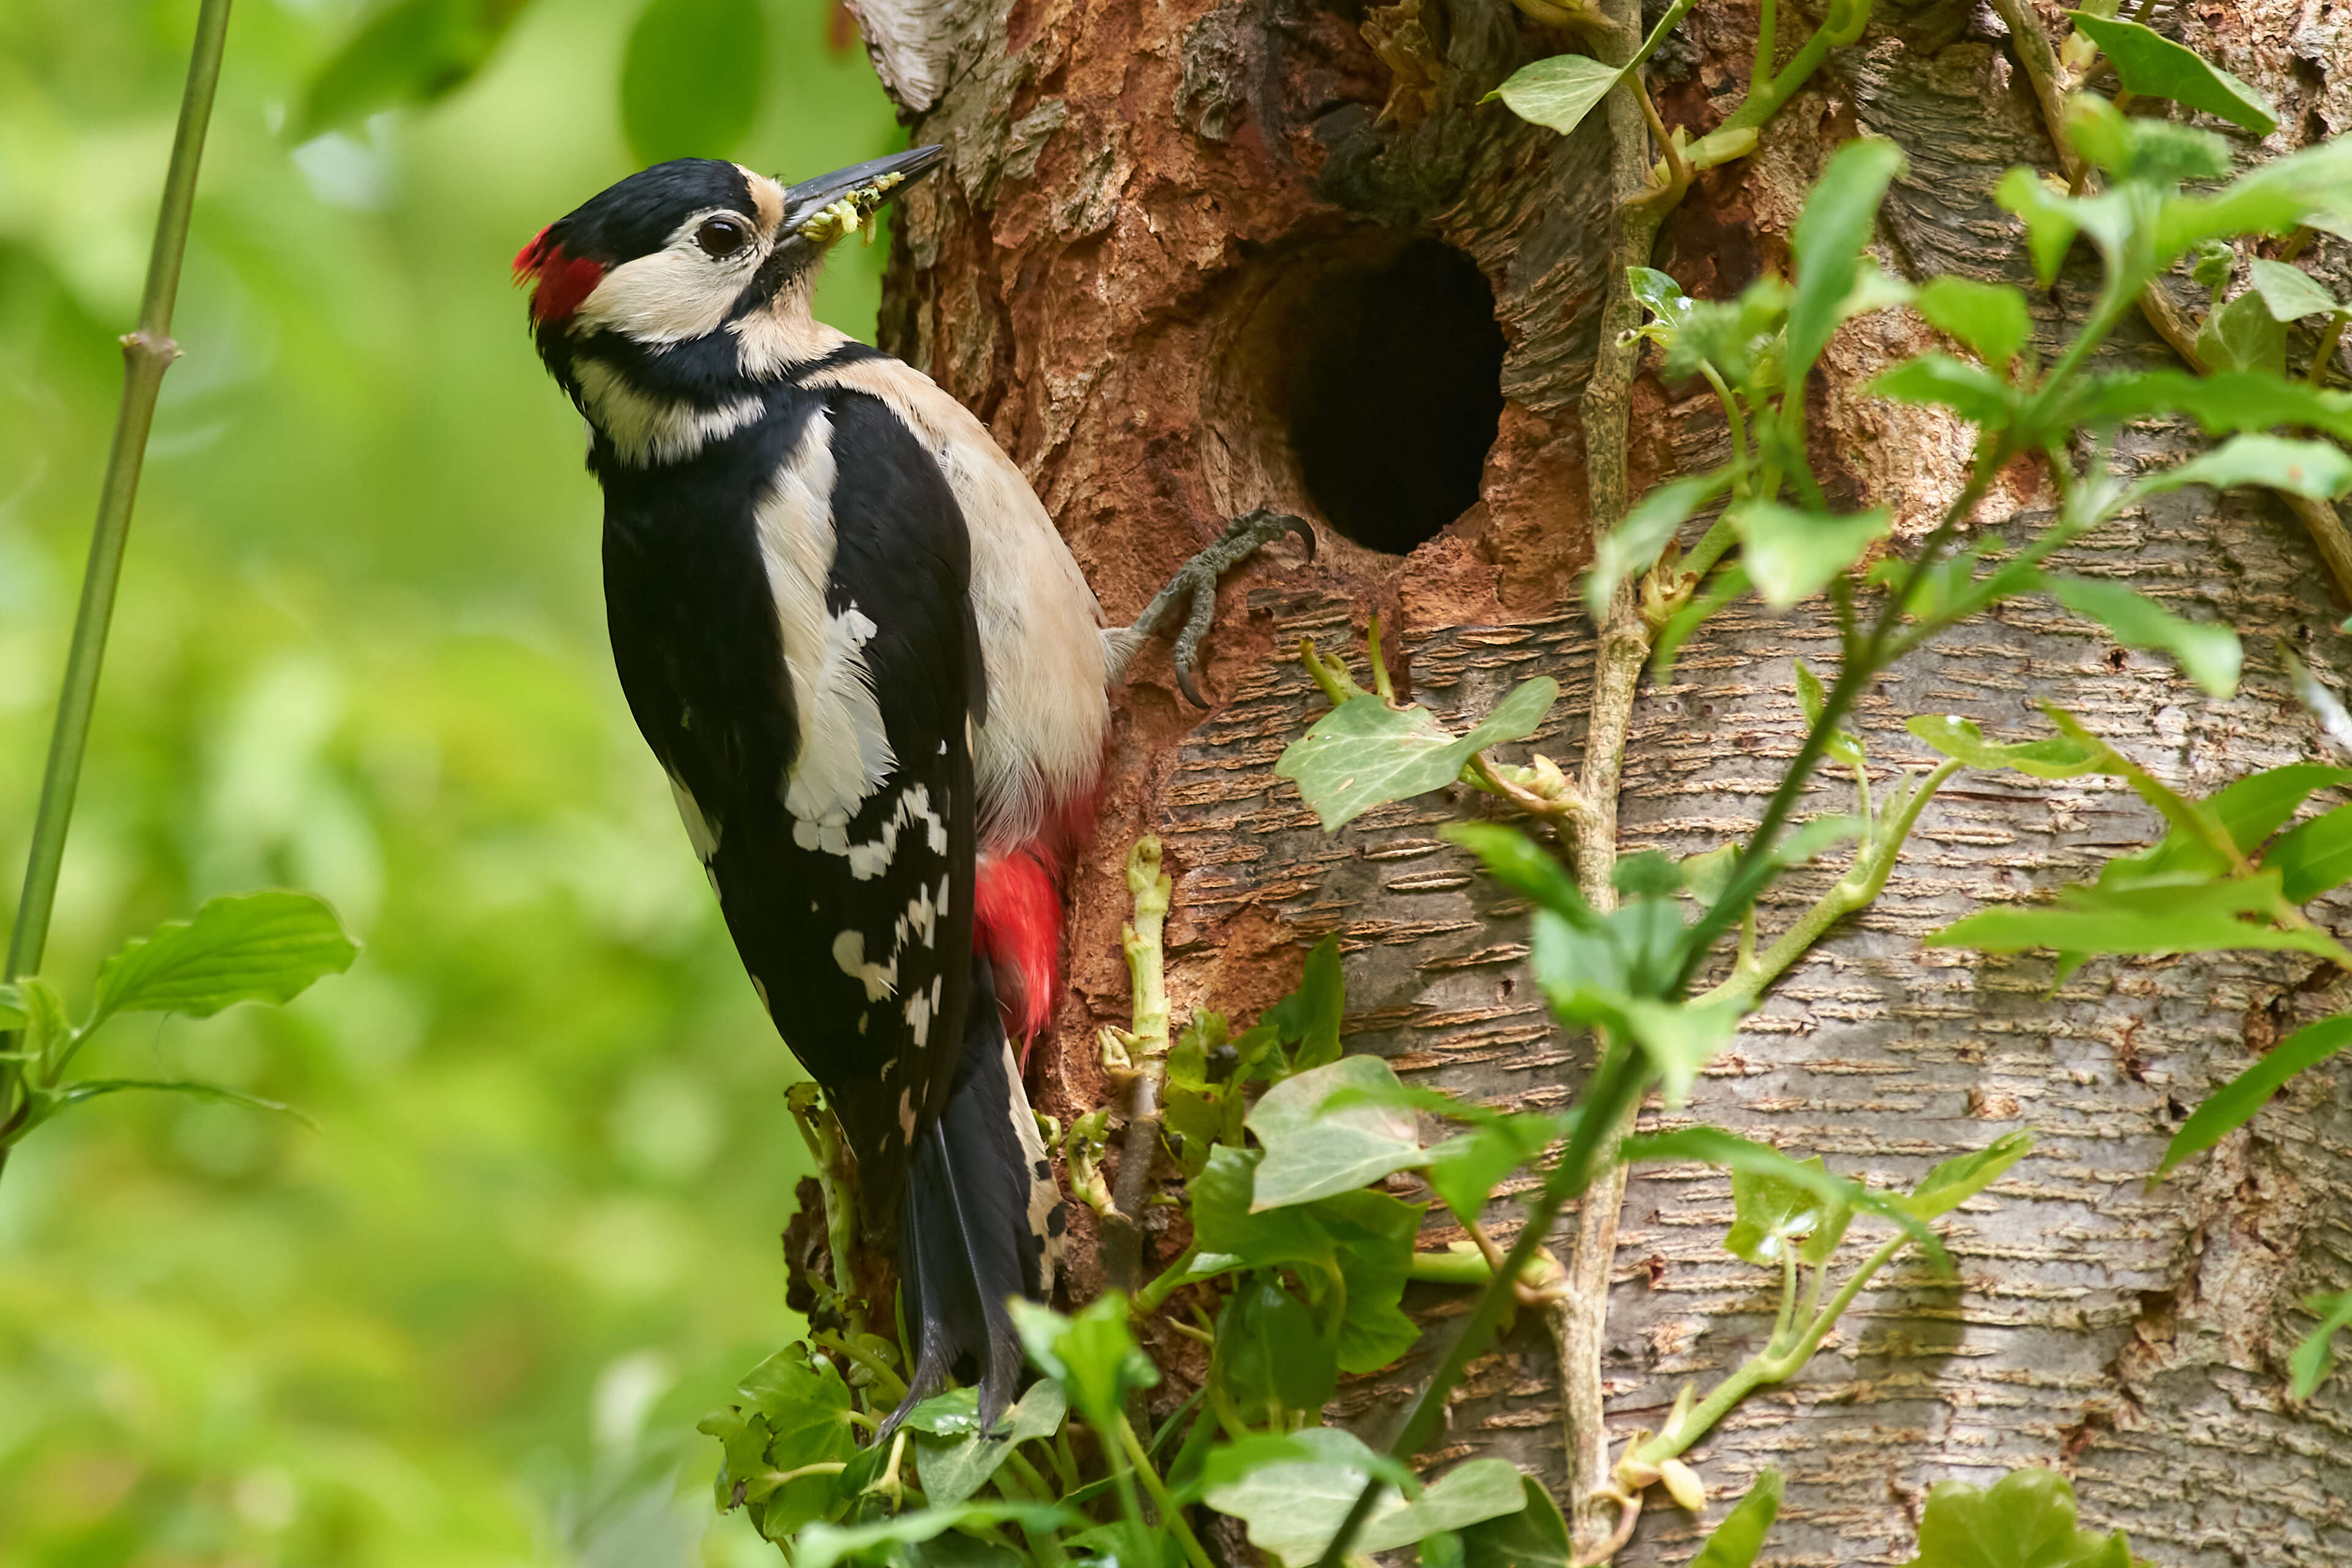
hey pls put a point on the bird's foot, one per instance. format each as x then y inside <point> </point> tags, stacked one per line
<point>1192,592</point>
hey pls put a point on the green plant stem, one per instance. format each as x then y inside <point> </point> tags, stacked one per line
<point>1734,419</point>
<point>1777,1363</point>
<point>2323,355</point>
<point>1768,94</point>
<point>1165,1283</point>
<point>147,352</point>
<point>1468,1267</point>
<point>1171,1513</point>
<point>1751,975</point>
<point>1617,1084</point>
<point>1767,23</point>
<point>1146,1048</point>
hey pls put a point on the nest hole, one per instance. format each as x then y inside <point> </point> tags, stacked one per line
<point>1393,392</point>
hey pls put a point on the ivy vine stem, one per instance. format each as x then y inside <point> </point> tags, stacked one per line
<point>147,352</point>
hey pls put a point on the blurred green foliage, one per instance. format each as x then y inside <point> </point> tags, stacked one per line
<point>472,1317</point>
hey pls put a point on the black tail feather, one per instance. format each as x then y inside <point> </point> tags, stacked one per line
<point>966,1241</point>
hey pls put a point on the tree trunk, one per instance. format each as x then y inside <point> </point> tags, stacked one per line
<point>1193,258</point>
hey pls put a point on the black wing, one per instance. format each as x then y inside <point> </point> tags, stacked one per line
<point>856,923</point>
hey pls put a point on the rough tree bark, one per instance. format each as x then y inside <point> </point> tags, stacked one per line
<point>1159,216</point>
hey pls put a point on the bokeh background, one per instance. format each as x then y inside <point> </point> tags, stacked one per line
<point>472,1317</point>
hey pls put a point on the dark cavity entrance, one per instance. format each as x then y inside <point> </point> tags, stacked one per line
<point>1393,393</point>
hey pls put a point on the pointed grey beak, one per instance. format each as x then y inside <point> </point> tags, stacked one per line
<point>817,205</point>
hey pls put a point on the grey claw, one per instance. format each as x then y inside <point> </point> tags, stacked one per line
<point>1204,612</point>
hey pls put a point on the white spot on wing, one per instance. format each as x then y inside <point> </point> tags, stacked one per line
<point>698,830</point>
<point>906,1112</point>
<point>879,979</point>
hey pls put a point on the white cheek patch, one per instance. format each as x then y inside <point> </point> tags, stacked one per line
<point>677,293</point>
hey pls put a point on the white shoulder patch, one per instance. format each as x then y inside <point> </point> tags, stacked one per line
<point>844,752</point>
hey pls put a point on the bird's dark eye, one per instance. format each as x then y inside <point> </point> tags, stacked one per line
<point>721,237</point>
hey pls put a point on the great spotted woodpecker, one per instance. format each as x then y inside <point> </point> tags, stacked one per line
<point>876,680</point>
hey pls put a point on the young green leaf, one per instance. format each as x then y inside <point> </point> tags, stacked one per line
<point>963,1458</point>
<point>1558,91</point>
<point>2308,468</point>
<point>2235,1104</point>
<point>256,947</point>
<point>1714,1147</point>
<point>1372,1236</point>
<point>1770,1211</point>
<point>1313,1150</point>
<point>2315,1355</point>
<point>1294,1508</point>
<point>2272,200</point>
<point>1520,864</point>
<point>2243,337</point>
<point>1270,1356</point>
<point>1309,1017</point>
<point>823,1545</point>
<point>2192,917</point>
<point>2313,856</point>
<point>1633,545</point>
<point>1090,1355</point>
<point>2290,294</point>
<point>1464,1171</point>
<point>1792,554</point>
<point>1960,739</point>
<point>1955,1181</point>
<point>56,1100</point>
<point>2209,655</point>
<point>1989,317</point>
<point>2025,1518</point>
<point>1972,392</point>
<point>1827,244</point>
<point>1365,753</point>
<point>12,1008</point>
<point>1740,1536</point>
<point>1664,299</point>
<point>2221,404</point>
<point>2152,66</point>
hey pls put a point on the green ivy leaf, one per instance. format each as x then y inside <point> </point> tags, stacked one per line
<point>1294,1508</point>
<point>1270,1356</point>
<point>1633,545</point>
<point>12,1008</point>
<point>823,1545</point>
<point>1793,554</point>
<point>690,77</point>
<point>410,52</point>
<point>2152,66</point>
<point>1770,1211</point>
<point>1955,1181</point>
<point>255,947</point>
<point>1373,1236</point>
<point>1365,753</point>
<point>2234,1104</point>
<point>1714,1147</point>
<point>1972,392</point>
<point>2209,655</point>
<point>1989,317</point>
<point>1740,1536</point>
<point>2171,917</point>
<point>1961,739</point>
<point>2314,856</point>
<point>1534,1537</point>
<point>2290,294</point>
<point>1844,745</point>
<point>2314,1356</point>
<point>1558,91</point>
<point>1091,1354</point>
<point>1313,1150</point>
<point>1826,246</point>
<point>2025,1518</point>
<point>1664,299</point>
<point>2221,404</point>
<point>2271,200</point>
<point>963,1458</point>
<point>2243,336</point>
<point>803,1408</point>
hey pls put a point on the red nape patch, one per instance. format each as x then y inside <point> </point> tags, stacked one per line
<point>562,281</point>
<point>1017,923</point>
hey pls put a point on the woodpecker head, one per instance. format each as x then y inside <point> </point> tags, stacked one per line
<point>688,278</point>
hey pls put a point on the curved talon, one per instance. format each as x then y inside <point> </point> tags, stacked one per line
<point>1203,614</point>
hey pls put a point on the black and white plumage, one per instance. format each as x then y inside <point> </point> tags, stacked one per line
<point>876,680</point>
